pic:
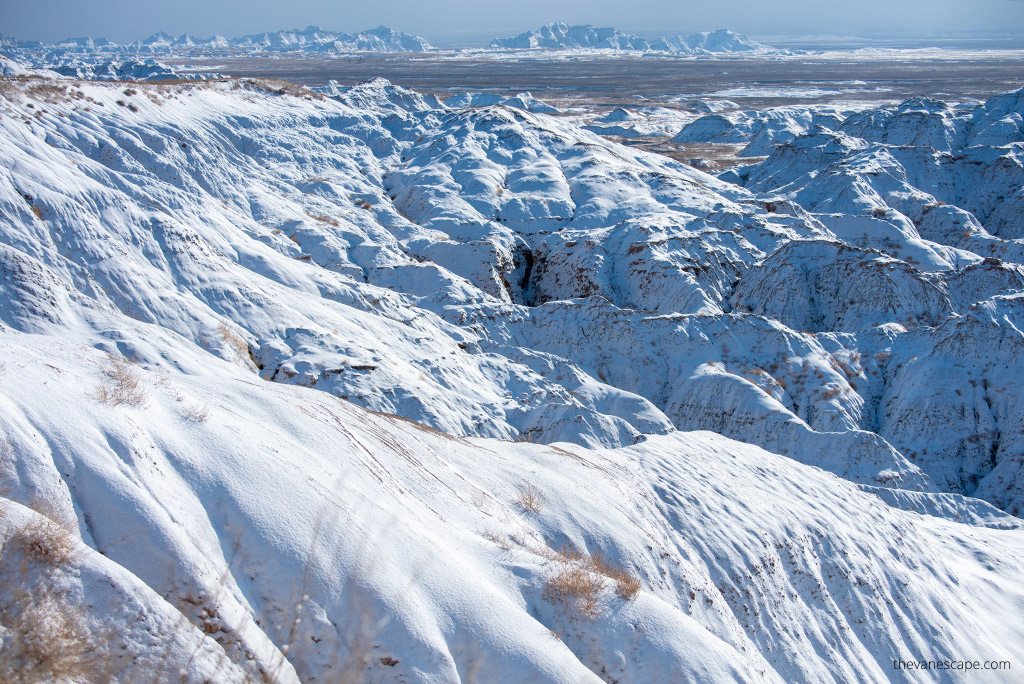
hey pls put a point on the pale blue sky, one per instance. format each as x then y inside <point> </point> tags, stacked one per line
<point>442,21</point>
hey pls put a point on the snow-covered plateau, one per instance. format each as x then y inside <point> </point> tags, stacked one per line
<point>357,385</point>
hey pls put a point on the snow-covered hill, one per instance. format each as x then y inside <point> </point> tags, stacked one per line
<point>559,36</point>
<point>317,40</point>
<point>223,305</point>
<point>237,530</point>
<point>124,70</point>
<point>759,130</point>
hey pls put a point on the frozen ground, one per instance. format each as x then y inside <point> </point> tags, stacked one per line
<point>616,81</point>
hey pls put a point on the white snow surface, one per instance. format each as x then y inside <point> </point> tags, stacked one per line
<point>310,539</point>
<point>294,279</point>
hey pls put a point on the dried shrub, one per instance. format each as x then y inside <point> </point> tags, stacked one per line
<point>497,537</point>
<point>234,340</point>
<point>46,638</point>
<point>529,498</point>
<point>196,413</point>
<point>627,585</point>
<point>45,541</point>
<point>276,86</point>
<point>531,436</point>
<point>576,589</point>
<point>8,88</point>
<point>122,384</point>
<point>322,218</point>
<point>48,91</point>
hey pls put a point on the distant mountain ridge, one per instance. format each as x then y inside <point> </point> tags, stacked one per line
<point>312,39</point>
<point>559,36</point>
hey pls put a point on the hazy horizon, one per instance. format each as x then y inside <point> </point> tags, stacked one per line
<point>462,22</point>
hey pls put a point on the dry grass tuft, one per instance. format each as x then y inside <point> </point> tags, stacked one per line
<point>9,88</point>
<point>529,498</point>
<point>531,436</point>
<point>46,639</point>
<point>45,541</point>
<point>48,91</point>
<point>627,585</point>
<point>234,340</point>
<point>122,384</point>
<point>277,86</point>
<point>497,537</point>
<point>323,218</point>
<point>576,589</point>
<point>51,538</point>
<point>196,413</point>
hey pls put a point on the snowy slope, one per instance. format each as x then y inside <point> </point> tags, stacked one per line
<point>926,198</point>
<point>223,304</point>
<point>454,237</point>
<point>408,550</point>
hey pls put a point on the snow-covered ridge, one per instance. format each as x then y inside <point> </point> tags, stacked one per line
<point>458,235</point>
<point>229,529</point>
<point>311,40</point>
<point>204,287</point>
<point>559,36</point>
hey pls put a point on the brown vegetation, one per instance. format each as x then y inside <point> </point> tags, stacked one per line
<point>529,498</point>
<point>576,589</point>
<point>122,384</point>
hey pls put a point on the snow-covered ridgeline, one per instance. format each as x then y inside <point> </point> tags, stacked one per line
<point>192,276</point>
<point>451,238</point>
<point>233,529</point>
<point>312,40</point>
